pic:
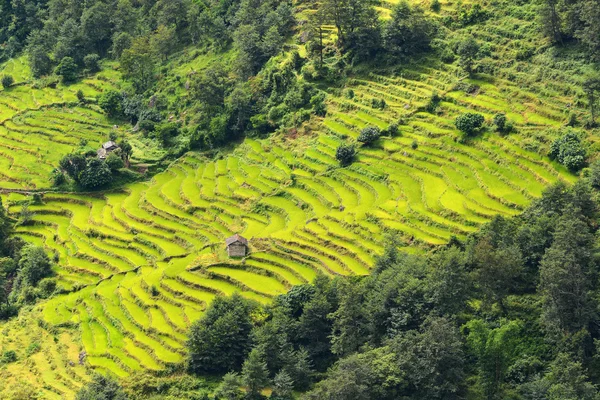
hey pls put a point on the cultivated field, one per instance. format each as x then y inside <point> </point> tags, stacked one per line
<point>141,264</point>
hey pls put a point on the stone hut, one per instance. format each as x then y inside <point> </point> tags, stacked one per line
<point>106,149</point>
<point>237,246</point>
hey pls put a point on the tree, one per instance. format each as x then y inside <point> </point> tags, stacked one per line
<point>111,102</point>
<point>73,164</point>
<point>95,175</point>
<point>450,284</point>
<point>7,81</point>
<point>565,278</point>
<point>254,373</point>
<point>494,349</point>
<point>220,340</point>
<point>139,64</point>
<point>39,61</point>
<point>591,87</point>
<point>230,388</point>
<point>551,20</point>
<point>468,51</point>
<point>469,123</point>
<point>163,41</point>
<point>67,69</point>
<point>96,27</point>
<point>369,135</point>
<point>92,62</point>
<point>114,161</point>
<point>408,32</point>
<point>101,388</point>
<point>569,151</point>
<point>497,269</point>
<point>283,387</point>
<point>348,16</point>
<point>345,154</point>
<point>126,151</point>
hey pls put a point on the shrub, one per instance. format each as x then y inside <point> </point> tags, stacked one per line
<point>369,135</point>
<point>147,126</point>
<point>502,124</point>
<point>414,145</point>
<point>95,175</point>
<point>114,161</point>
<point>111,102</point>
<point>7,81</point>
<point>436,6</point>
<point>469,123</point>
<point>8,356</point>
<point>569,151</point>
<point>67,69</point>
<point>345,154</point>
<point>92,62</point>
<point>80,96</point>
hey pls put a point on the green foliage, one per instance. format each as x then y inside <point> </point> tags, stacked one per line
<point>369,135</point>
<point>92,62</point>
<point>220,340</point>
<point>101,388</point>
<point>67,69</point>
<point>111,102</point>
<point>345,153</point>
<point>96,174</point>
<point>7,81</point>
<point>9,356</point>
<point>114,161</point>
<point>468,51</point>
<point>469,123</point>
<point>230,387</point>
<point>408,32</point>
<point>569,151</point>
<point>255,373</point>
<point>495,350</point>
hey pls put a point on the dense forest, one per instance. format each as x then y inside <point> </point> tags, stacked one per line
<point>509,311</point>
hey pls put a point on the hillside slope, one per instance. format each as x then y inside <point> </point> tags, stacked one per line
<point>140,264</point>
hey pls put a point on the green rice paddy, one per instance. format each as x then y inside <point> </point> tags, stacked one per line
<point>143,263</point>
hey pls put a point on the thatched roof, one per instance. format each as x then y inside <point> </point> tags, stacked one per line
<point>236,239</point>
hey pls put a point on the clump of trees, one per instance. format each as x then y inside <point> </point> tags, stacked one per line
<point>25,273</point>
<point>86,170</point>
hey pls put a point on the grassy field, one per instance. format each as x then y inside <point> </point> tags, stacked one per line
<point>142,263</point>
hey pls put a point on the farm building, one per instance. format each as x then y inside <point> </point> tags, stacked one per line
<point>106,149</point>
<point>237,246</point>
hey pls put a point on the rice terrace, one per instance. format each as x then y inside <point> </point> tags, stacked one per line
<point>141,255</point>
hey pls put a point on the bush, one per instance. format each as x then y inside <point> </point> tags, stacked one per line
<point>96,174</point>
<point>80,96</point>
<point>369,135</point>
<point>436,6</point>
<point>111,102</point>
<point>569,151</point>
<point>8,356</point>
<point>92,62</point>
<point>114,161</point>
<point>147,125</point>
<point>7,81</point>
<point>67,69</point>
<point>469,123</point>
<point>502,124</point>
<point>345,154</point>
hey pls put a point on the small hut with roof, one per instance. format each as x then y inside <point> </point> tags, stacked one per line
<point>237,246</point>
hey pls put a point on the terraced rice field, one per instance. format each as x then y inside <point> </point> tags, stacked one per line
<point>141,264</point>
<point>38,126</point>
